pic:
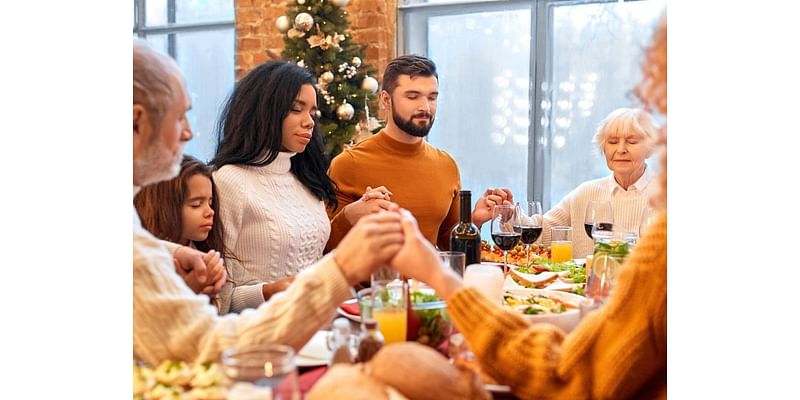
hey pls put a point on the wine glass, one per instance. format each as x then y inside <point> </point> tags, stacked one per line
<point>599,217</point>
<point>503,232</point>
<point>528,222</point>
<point>647,219</point>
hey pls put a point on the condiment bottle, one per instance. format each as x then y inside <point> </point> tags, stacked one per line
<point>340,342</point>
<point>371,340</point>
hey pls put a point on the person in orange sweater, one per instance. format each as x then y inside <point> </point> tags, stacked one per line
<point>616,352</point>
<point>397,165</point>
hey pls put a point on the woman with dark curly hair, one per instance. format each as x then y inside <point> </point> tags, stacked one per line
<point>270,170</point>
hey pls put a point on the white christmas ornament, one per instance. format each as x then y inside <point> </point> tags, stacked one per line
<point>370,84</point>
<point>282,23</point>
<point>345,112</point>
<point>326,77</point>
<point>340,3</point>
<point>301,2</point>
<point>356,62</point>
<point>303,22</point>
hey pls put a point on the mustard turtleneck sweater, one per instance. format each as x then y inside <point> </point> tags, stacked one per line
<point>422,179</point>
<point>617,352</point>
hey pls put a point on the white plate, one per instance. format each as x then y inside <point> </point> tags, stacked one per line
<point>566,320</point>
<point>352,317</point>
<point>315,352</point>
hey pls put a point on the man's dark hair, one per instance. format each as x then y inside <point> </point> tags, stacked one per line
<point>411,65</point>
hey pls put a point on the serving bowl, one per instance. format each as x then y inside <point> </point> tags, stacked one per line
<point>566,320</point>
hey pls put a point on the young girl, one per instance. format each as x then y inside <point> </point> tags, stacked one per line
<point>184,210</point>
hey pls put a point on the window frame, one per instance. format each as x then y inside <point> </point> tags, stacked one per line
<point>541,51</point>
<point>141,29</point>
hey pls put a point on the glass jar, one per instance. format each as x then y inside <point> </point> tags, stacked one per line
<point>260,369</point>
<point>610,251</point>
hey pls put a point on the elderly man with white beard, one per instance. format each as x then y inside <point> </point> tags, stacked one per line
<point>170,321</point>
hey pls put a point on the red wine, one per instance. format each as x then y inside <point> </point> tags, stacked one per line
<point>529,234</point>
<point>506,240</point>
<point>465,236</point>
<point>601,226</point>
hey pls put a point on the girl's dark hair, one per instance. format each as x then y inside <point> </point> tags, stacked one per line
<point>249,129</point>
<point>159,206</point>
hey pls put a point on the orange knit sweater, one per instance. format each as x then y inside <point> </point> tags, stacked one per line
<point>617,352</point>
<point>422,179</point>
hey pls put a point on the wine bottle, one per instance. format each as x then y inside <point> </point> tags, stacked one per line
<point>465,236</point>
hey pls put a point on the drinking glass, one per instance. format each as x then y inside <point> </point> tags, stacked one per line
<point>389,294</point>
<point>488,279</point>
<point>528,222</point>
<point>599,216</point>
<point>560,243</point>
<point>454,260</point>
<point>261,370</point>
<point>647,219</point>
<point>503,232</point>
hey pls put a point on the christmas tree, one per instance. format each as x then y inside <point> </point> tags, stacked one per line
<point>317,39</point>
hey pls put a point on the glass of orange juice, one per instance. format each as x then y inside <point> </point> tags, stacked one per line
<point>560,243</point>
<point>389,294</point>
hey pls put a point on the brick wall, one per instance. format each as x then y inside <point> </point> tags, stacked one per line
<point>372,22</point>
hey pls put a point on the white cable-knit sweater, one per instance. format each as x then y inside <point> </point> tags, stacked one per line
<point>273,224</point>
<point>626,204</point>
<point>172,323</point>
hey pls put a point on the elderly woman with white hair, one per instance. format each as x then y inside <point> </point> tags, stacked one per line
<point>626,138</point>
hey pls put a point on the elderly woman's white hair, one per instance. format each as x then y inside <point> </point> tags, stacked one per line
<point>623,120</point>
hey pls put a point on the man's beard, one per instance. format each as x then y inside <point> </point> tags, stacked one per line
<point>409,127</point>
<point>157,164</point>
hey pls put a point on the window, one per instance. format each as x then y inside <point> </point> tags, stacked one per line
<point>562,64</point>
<point>199,35</point>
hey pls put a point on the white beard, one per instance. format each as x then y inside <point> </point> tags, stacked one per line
<point>157,164</point>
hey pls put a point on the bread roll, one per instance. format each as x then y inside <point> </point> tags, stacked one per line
<point>347,382</point>
<point>420,373</point>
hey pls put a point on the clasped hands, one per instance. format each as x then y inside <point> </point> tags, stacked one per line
<point>203,272</point>
<point>390,237</point>
<point>380,198</point>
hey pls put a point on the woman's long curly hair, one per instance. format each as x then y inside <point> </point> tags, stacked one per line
<point>250,127</point>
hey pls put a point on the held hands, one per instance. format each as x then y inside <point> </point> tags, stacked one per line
<point>203,272</point>
<point>418,259</point>
<point>371,243</point>
<point>372,201</point>
<point>485,204</point>
<point>269,289</point>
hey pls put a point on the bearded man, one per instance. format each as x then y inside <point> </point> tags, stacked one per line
<point>397,166</point>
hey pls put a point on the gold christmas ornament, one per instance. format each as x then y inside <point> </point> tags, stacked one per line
<point>345,112</point>
<point>282,23</point>
<point>303,22</point>
<point>369,84</point>
<point>326,77</point>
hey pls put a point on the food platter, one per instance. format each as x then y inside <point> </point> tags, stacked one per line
<point>566,319</point>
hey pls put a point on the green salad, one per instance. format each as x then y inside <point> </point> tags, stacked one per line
<point>432,324</point>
